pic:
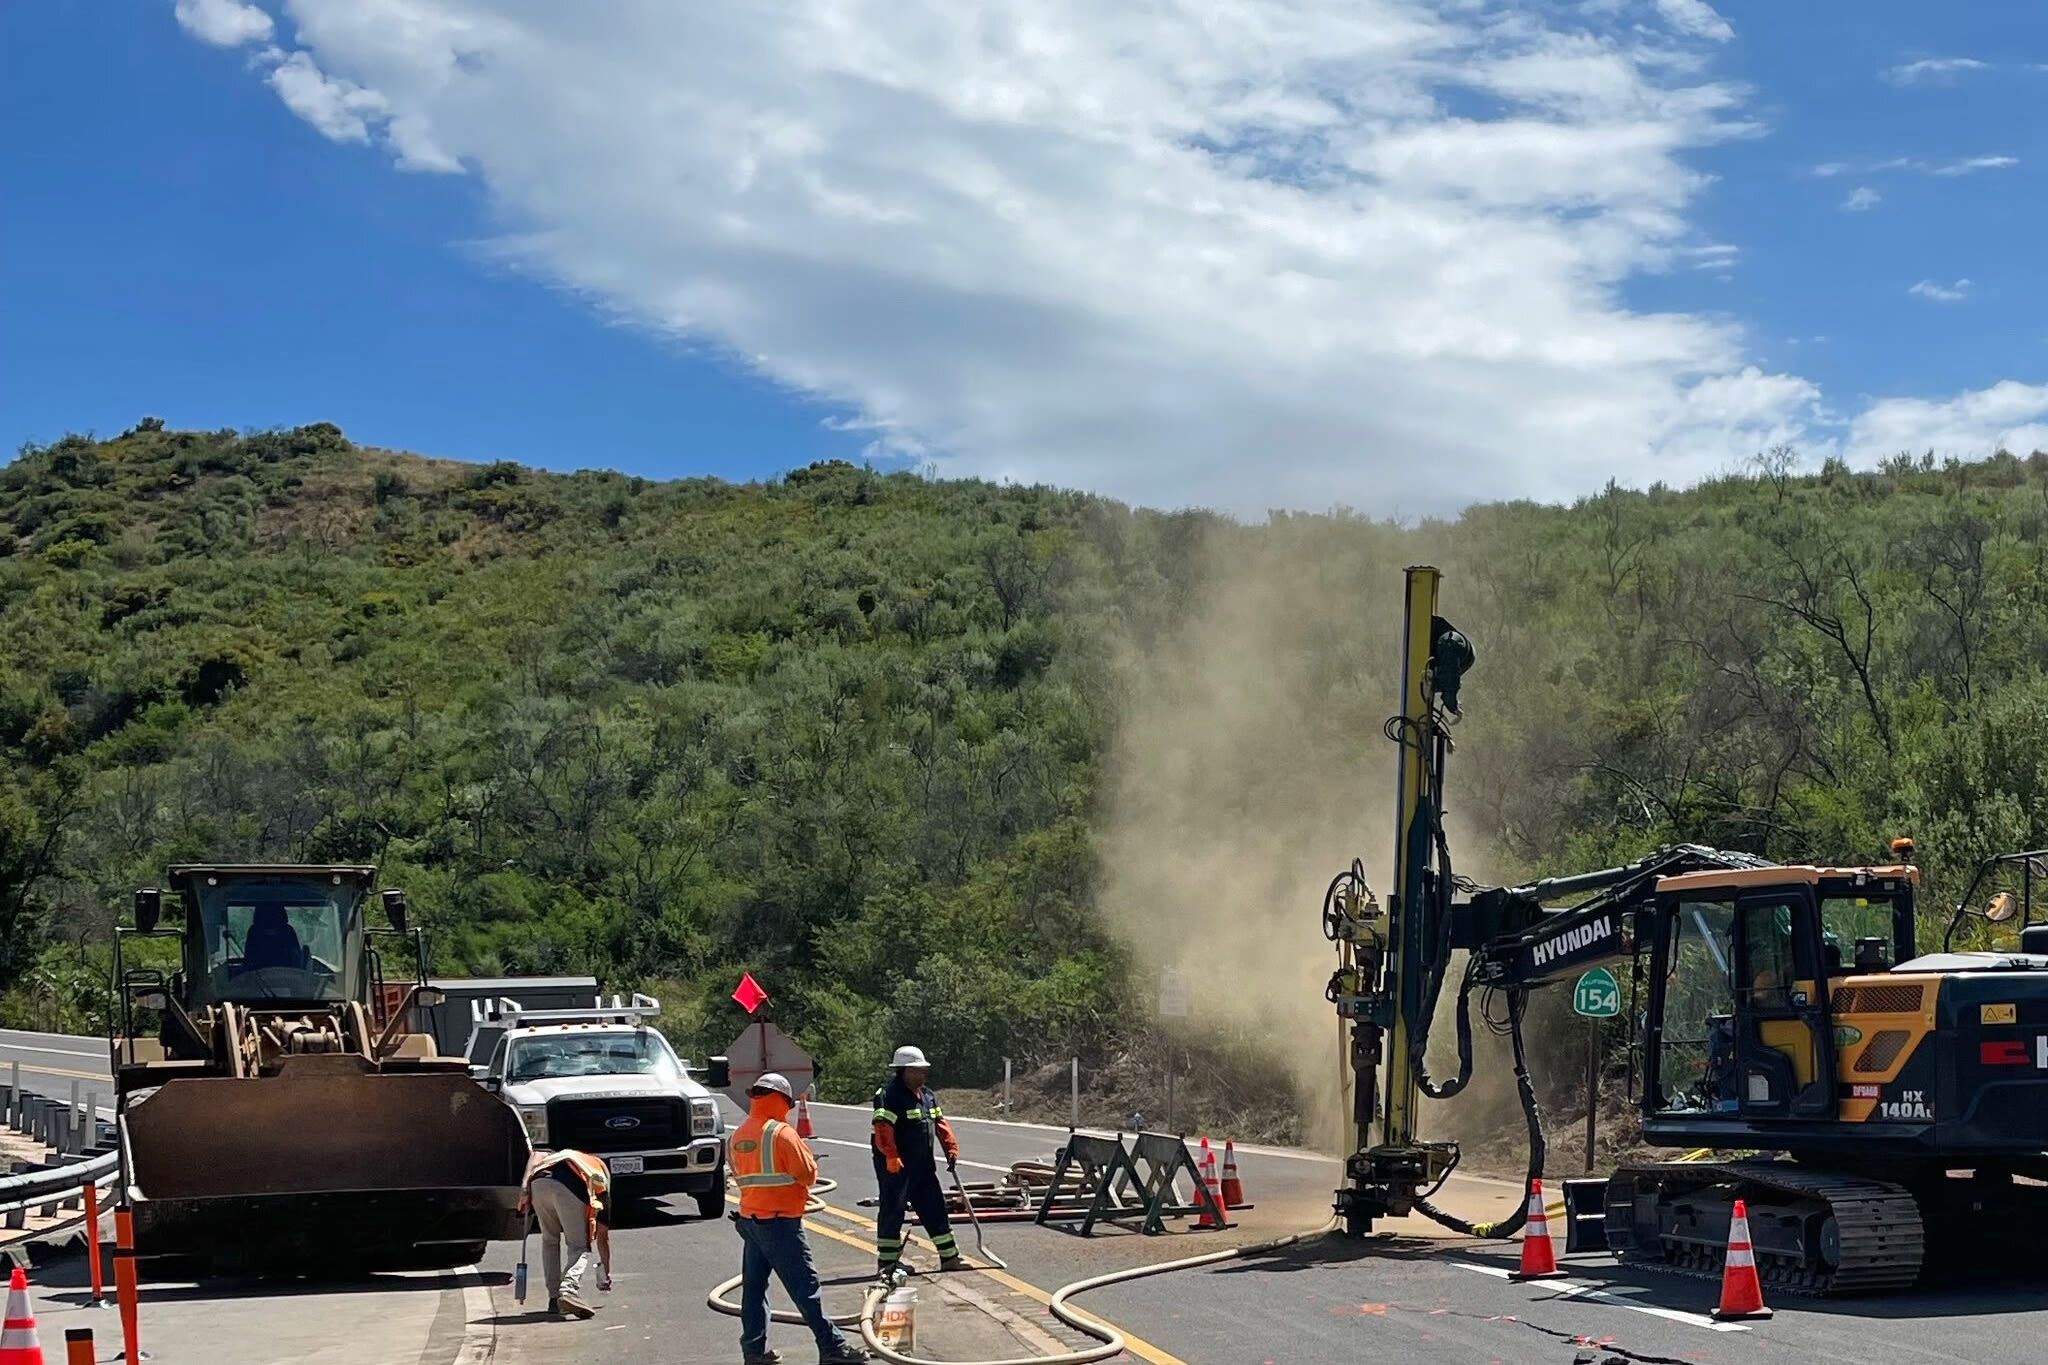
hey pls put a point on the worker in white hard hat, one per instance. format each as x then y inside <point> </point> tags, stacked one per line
<point>908,1125</point>
<point>775,1170</point>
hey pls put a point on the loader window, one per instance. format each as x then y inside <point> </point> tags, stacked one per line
<point>281,940</point>
<point>1695,1055</point>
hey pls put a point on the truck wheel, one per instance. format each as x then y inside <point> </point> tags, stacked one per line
<point>711,1202</point>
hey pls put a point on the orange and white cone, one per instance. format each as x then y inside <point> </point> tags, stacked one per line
<point>1539,1255</point>
<point>19,1344</point>
<point>1742,1292</point>
<point>1233,1188</point>
<point>803,1116</point>
<point>1206,1172</point>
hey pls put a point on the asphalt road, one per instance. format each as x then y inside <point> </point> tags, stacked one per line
<point>1409,1295</point>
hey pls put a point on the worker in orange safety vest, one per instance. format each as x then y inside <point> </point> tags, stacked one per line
<point>569,1193</point>
<point>775,1170</point>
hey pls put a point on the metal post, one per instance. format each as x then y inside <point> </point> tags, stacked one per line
<point>1006,1087</point>
<point>14,1095</point>
<point>1075,1071</point>
<point>1592,1086</point>
<point>1169,1099</point>
<point>74,1105</point>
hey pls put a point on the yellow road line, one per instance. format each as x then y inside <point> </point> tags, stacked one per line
<point>1134,1345</point>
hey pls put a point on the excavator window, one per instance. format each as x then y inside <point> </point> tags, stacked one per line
<point>1695,1043</point>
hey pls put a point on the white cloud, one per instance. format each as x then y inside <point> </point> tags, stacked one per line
<point>1932,69</point>
<point>1243,253</point>
<point>1976,163</point>
<point>224,23</point>
<point>1828,169</point>
<point>1862,199</point>
<point>2007,416</point>
<point>340,109</point>
<point>1696,18</point>
<point>1941,293</point>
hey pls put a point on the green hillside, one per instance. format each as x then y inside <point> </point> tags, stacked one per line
<point>859,733</point>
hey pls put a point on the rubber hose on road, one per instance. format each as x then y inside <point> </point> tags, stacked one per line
<point>1112,1341</point>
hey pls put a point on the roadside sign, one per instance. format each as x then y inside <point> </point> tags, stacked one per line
<point>1173,994</point>
<point>1598,995</point>
<point>762,1048</point>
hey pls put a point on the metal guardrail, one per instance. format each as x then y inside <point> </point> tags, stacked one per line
<point>81,1142</point>
<point>55,1187</point>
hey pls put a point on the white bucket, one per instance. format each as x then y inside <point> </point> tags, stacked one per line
<point>896,1325</point>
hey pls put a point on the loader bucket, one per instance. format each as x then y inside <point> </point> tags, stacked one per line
<point>328,1166</point>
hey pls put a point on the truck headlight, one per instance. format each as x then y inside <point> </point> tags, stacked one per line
<point>536,1121</point>
<point>703,1117</point>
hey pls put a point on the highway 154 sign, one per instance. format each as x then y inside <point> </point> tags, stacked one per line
<point>1598,995</point>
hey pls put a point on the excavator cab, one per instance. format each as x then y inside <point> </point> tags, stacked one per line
<point>1747,971</point>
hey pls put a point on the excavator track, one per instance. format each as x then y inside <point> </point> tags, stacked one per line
<point>1860,1236</point>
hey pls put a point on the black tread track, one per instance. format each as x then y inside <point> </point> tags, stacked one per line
<point>1882,1240</point>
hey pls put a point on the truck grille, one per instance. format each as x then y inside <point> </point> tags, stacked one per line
<point>618,1125</point>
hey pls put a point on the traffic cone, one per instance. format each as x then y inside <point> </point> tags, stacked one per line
<point>1212,1216</point>
<point>1539,1256</point>
<point>19,1344</point>
<point>1742,1293</point>
<point>803,1116</point>
<point>1233,1188</point>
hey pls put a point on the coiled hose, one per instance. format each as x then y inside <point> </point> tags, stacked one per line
<point>1112,1341</point>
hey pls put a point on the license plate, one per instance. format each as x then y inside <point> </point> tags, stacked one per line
<point>627,1165</point>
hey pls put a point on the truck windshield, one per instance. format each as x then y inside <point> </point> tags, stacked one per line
<point>283,938</point>
<point>551,1056</point>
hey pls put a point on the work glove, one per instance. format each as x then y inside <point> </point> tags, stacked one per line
<point>952,1161</point>
<point>894,1165</point>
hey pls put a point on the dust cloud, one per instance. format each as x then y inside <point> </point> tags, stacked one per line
<point>1249,769</point>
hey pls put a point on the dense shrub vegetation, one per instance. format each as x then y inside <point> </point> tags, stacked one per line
<point>848,729</point>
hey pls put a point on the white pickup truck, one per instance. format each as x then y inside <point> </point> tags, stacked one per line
<point>605,1081</point>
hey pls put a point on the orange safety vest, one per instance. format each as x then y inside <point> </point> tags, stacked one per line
<point>597,1179</point>
<point>772,1168</point>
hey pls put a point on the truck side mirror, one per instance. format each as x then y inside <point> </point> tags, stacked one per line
<point>429,997</point>
<point>394,909</point>
<point>718,1073</point>
<point>149,907</point>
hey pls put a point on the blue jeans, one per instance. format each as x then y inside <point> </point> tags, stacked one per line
<point>778,1244</point>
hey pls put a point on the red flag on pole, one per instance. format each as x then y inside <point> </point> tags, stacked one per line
<point>750,995</point>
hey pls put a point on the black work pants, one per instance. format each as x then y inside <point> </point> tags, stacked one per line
<point>917,1186</point>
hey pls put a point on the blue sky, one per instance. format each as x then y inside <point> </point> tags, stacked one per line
<point>480,230</point>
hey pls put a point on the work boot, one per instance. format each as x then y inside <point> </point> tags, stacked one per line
<point>849,1354</point>
<point>554,1308</point>
<point>765,1358</point>
<point>953,1262</point>
<point>576,1308</point>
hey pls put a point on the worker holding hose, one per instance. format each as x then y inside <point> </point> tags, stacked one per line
<point>908,1121</point>
<point>775,1170</point>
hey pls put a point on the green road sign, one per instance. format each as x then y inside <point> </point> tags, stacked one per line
<point>1598,995</point>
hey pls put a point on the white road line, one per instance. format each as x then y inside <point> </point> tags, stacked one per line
<point>97,1054</point>
<point>1568,1290</point>
<point>479,1333</point>
<point>978,1165</point>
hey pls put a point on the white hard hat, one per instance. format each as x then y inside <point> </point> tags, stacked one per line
<point>909,1056</point>
<point>775,1081</point>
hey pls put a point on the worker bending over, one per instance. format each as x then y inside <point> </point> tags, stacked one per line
<point>907,1120</point>
<point>775,1170</point>
<point>569,1193</point>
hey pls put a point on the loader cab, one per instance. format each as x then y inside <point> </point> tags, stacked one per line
<point>275,935</point>
<point>1741,969</point>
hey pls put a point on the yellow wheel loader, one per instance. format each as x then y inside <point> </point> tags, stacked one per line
<point>276,1110</point>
